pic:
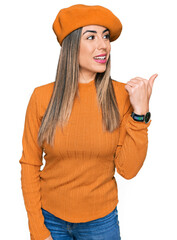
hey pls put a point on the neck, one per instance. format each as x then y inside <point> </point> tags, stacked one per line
<point>86,78</point>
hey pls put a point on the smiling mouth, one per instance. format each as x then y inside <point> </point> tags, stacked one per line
<point>100,59</point>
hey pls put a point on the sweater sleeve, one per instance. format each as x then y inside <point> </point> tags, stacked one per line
<point>30,161</point>
<point>132,144</point>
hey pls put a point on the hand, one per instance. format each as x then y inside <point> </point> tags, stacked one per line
<point>140,90</point>
<point>49,238</point>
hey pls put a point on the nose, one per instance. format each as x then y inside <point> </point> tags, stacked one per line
<point>101,43</point>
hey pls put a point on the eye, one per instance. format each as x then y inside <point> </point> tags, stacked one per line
<point>90,36</point>
<point>107,36</point>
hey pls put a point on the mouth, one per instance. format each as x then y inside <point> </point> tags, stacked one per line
<point>100,58</point>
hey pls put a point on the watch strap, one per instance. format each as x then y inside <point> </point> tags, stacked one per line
<point>136,117</point>
<point>141,118</point>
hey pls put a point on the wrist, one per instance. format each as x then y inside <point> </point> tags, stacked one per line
<point>141,118</point>
<point>141,112</point>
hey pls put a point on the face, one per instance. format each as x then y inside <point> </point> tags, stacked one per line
<point>95,40</point>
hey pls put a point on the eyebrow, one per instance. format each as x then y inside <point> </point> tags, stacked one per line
<point>95,31</point>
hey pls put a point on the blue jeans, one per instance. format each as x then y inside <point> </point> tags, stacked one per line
<point>105,228</point>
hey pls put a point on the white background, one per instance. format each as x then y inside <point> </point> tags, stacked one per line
<point>29,54</point>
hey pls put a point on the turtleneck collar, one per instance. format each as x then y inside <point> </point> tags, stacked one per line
<point>86,85</point>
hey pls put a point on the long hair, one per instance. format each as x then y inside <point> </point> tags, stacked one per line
<point>66,88</point>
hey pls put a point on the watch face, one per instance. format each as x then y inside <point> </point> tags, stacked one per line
<point>147,117</point>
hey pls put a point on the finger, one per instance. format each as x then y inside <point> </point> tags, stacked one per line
<point>132,84</point>
<point>151,80</point>
<point>128,88</point>
<point>134,80</point>
<point>140,78</point>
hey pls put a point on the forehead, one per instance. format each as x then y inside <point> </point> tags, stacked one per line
<point>93,27</point>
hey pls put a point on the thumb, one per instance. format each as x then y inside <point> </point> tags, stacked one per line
<point>151,80</point>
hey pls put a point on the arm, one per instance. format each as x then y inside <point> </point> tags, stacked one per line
<point>30,161</point>
<point>132,144</point>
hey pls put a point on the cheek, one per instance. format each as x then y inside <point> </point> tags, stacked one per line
<point>109,48</point>
<point>85,54</point>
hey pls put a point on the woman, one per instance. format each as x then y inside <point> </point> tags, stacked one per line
<point>86,124</point>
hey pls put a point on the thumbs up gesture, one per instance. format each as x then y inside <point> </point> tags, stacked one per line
<point>140,91</point>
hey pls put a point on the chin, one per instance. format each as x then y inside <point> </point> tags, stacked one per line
<point>101,70</point>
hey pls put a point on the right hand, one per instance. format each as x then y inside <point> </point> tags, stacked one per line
<point>49,238</point>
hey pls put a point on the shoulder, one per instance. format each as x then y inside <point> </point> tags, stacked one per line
<point>46,89</point>
<point>43,94</point>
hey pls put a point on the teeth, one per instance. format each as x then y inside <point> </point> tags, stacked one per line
<point>100,57</point>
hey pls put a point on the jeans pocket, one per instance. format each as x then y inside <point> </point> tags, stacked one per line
<point>116,211</point>
<point>116,214</point>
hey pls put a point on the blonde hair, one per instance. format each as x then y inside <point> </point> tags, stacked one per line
<point>66,88</point>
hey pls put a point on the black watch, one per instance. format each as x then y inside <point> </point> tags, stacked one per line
<point>141,118</point>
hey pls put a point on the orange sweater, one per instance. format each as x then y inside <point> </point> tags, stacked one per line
<point>77,183</point>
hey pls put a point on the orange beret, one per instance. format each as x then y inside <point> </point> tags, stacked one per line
<point>79,15</point>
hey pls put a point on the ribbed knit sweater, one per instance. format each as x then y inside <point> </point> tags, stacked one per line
<point>77,183</point>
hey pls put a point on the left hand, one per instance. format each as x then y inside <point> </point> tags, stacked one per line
<point>140,90</point>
